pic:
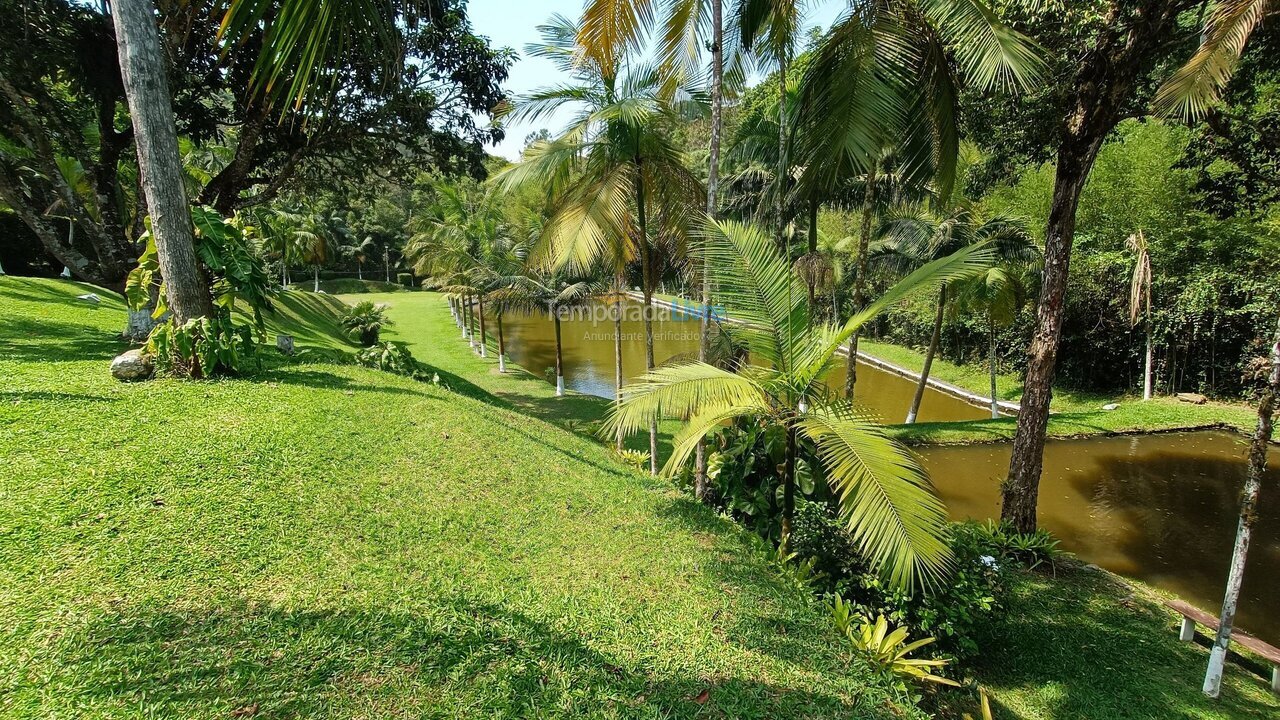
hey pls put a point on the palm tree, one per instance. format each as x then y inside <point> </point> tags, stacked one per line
<point>609,169</point>
<point>914,236</point>
<point>146,90</point>
<point>554,292</point>
<point>465,248</point>
<point>998,293</point>
<point>1258,448</point>
<point>1140,301</point>
<point>884,496</point>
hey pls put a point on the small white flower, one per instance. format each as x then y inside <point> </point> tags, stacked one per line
<point>988,560</point>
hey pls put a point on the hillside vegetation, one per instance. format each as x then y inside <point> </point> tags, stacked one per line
<point>328,541</point>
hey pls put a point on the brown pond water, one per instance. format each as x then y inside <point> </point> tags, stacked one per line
<point>588,358</point>
<point>1159,508</point>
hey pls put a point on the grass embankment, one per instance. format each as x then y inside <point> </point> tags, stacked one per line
<point>338,286</point>
<point>1073,413</point>
<point>1080,643</point>
<point>328,541</point>
<point>1077,643</point>
<point>422,322</point>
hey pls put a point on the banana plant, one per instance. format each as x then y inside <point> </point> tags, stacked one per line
<point>884,496</point>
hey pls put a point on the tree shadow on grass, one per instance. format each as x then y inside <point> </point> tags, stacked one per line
<point>453,658</point>
<point>1101,652</point>
<point>30,340</point>
<point>7,396</point>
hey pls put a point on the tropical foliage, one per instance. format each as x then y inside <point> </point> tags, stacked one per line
<point>884,497</point>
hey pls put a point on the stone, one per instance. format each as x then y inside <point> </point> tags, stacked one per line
<point>90,297</point>
<point>1193,398</point>
<point>1111,406</point>
<point>132,365</point>
<point>284,343</point>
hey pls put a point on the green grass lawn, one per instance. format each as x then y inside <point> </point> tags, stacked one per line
<point>323,541</point>
<point>422,321</point>
<point>1079,643</point>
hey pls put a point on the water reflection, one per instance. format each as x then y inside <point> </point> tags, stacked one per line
<point>589,362</point>
<point>1159,508</point>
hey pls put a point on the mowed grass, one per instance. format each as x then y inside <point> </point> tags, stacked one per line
<point>325,541</point>
<point>1079,643</point>
<point>422,321</point>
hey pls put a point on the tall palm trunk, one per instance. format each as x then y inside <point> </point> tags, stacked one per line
<point>991,362</point>
<point>647,282</point>
<point>1150,356</point>
<point>502,345</point>
<point>466,331</point>
<point>315,277</point>
<point>860,277</point>
<point>1248,516</point>
<point>713,181</point>
<point>619,281</point>
<point>788,489</point>
<point>146,88</point>
<point>1020,492</point>
<point>483,337</point>
<point>555,317</point>
<point>928,357</point>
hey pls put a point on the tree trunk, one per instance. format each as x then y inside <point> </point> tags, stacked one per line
<point>928,358</point>
<point>788,490</point>
<point>647,282</point>
<point>147,90</point>
<point>1021,489</point>
<point>1102,85</point>
<point>860,277</point>
<point>555,318</point>
<point>315,278</point>
<point>360,272</point>
<point>1248,516</point>
<point>1150,356</point>
<point>618,282</point>
<point>483,336</point>
<point>700,488</point>
<point>502,345</point>
<point>468,331</point>
<point>991,362</point>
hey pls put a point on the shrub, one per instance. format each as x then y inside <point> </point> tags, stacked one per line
<point>1004,543</point>
<point>214,344</point>
<point>394,358</point>
<point>365,320</point>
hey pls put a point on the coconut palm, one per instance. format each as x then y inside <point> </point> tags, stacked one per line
<point>912,237</point>
<point>1140,301</point>
<point>885,497</point>
<point>618,183</point>
<point>554,292</point>
<point>997,293</point>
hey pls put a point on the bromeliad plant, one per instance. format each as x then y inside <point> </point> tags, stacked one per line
<point>885,497</point>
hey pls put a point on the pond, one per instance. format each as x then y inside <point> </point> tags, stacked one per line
<point>1159,508</point>
<point>587,340</point>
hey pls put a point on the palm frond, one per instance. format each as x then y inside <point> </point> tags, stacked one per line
<point>885,497</point>
<point>682,390</point>
<point>1191,90</point>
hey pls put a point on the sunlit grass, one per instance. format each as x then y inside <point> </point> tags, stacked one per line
<point>323,541</point>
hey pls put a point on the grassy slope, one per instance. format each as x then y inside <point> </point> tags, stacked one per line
<point>325,541</point>
<point>1079,645</point>
<point>422,321</point>
<point>1082,644</point>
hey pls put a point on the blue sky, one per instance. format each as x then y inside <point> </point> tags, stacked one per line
<point>513,24</point>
